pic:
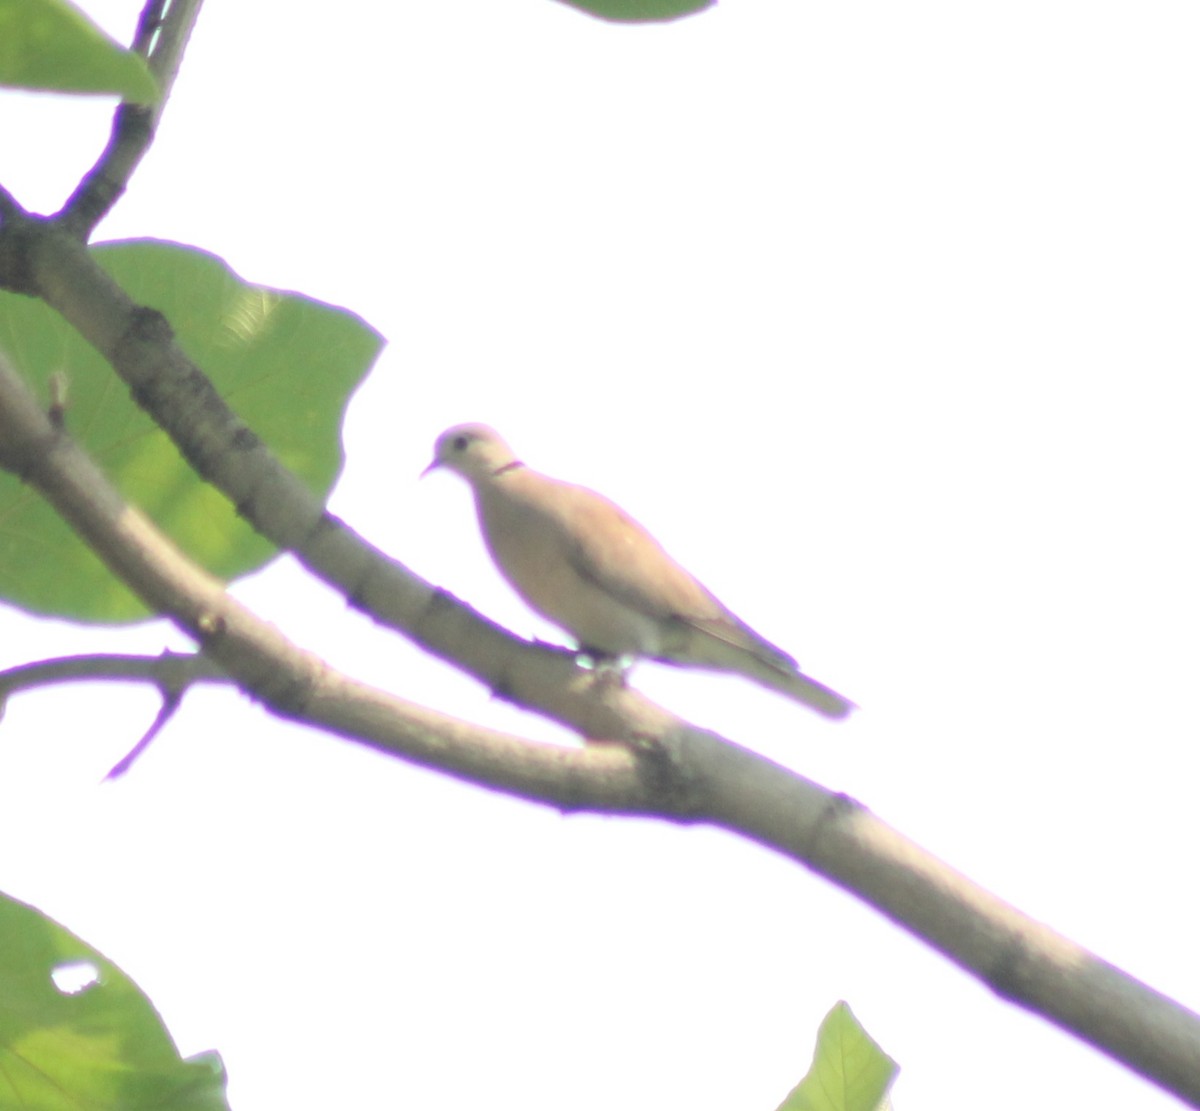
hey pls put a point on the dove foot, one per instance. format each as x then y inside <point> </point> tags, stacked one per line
<point>607,668</point>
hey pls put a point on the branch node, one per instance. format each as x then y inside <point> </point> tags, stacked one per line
<point>210,624</point>
<point>59,397</point>
<point>836,810</point>
<point>666,772</point>
<point>1007,975</point>
<point>19,235</point>
<point>146,327</point>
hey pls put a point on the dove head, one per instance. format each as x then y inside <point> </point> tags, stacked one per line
<point>474,451</point>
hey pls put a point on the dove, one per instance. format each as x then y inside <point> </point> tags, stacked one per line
<point>588,567</point>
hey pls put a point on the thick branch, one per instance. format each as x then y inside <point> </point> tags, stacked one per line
<point>679,773</point>
<point>292,682</point>
<point>138,342</point>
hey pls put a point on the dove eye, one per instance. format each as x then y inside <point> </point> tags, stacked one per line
<point>460,443</point>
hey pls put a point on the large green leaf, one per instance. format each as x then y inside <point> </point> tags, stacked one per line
<point>76,1032</point>
<point>285,363</point>
<point>849,1071</point>
<point>51,44</point>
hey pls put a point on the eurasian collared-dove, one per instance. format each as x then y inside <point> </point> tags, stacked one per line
<point>585,565</point>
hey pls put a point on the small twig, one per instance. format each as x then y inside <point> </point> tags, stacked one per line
<point>170,669</point>
<point>171,672</point>
<point>170,703</point>
<point>163,31</point>
<point>149,23</point>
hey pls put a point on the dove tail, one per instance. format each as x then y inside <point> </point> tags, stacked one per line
<point>728,644</point>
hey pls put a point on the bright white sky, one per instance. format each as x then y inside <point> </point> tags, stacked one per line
<point>882,317</point>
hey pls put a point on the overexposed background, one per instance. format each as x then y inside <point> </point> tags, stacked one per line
<point>882,318</point>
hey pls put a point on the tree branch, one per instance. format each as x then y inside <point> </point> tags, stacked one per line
<point>171,672</point>
<point>162,34</point>
<point>171,700</point>
<point>293,683</point>
<point>670,770</point>
<point>138,342</point>
<point>678,773</point>
<point>170,669</point>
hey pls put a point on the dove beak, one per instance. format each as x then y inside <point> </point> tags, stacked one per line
<point>432,467</point>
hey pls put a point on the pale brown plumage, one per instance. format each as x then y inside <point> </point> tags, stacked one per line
<point>587,566</point>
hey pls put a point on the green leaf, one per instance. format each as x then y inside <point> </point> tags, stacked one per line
<point>76,1032</point>
<point>849,1071</point>
<point>640,11</point>
<point>285,363</point>
<point>51,44</point>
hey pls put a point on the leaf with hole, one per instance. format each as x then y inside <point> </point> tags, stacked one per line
<point>76,1032</point>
